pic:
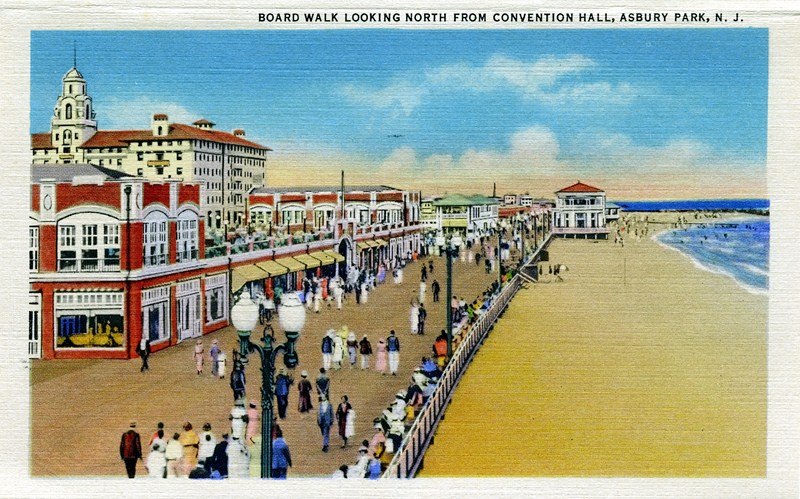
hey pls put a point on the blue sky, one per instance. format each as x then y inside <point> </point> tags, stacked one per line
<point>653,113</point>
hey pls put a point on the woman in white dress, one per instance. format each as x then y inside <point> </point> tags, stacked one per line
<point>414,317</point>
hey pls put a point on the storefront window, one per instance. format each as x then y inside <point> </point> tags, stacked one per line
<point>89,320</point>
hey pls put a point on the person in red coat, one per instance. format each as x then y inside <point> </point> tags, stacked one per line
<point>130,449</point>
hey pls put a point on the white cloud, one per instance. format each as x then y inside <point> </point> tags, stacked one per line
<point>401,97</point>
<point>532,80</point>
<point>137,113</point>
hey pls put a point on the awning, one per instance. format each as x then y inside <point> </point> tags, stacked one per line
<point>272,268</point>
<point>290,263</point>
<point>309,261</point>
<point>362,245</point>
<point>325,258</point>
<point>335,255</point>
<point>381,242</point>
<point>372,243</point>
<point>247,273</point>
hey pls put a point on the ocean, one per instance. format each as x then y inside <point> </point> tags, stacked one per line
<point>695,205</point>
<point>738,248</point>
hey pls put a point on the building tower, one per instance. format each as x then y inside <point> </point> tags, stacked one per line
<point>73,120</point>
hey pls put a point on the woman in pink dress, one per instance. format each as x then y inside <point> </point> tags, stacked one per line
<point>380,355</point>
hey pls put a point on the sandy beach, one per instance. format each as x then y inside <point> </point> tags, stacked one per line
<point>638,364</point>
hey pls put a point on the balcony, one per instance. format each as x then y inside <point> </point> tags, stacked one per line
<point>88,265</point>
<point>158,162</point>
<point>580,230</point>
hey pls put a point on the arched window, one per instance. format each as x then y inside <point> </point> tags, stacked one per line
<point>187,236</point>
<point>261,216</point>
<point>68,111</point>
<point>70,89</point>
<point>156,249</point>
<point>88,116</point>
<point>159,130</point>
<point>67,137</point>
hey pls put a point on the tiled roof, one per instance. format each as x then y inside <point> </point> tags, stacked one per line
<point>580,187</point>
<point>66,173</point>
<point>41,141</point>
<point>177,131</point>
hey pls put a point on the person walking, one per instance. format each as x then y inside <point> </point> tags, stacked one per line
<point>325,421</point>
<point>365,348</point>
<point>237,380</point>
<point>393,347</point>
<point>423,314</point>
<point>156,463</point>
<point>423,274</point>
<point>213,357</point>
<point>221,364</point>
<point>380,356</point>
<point>207,443</point>
<point>191,444</point>
<point>364,292</point>
<point>352,346</point>
<point>219,460</point>
<point>173,455</point>
<point>282,384</point>
<point>435,287</point>
<point>414,317</point>
<point>198,356</point>
<point>281,458</point>
<point>430,267</point>
<point>253,422</point>
<point>342,413</point>
<point>238,459</point>
<point>338,294</point>
<point>144,353</point>
<point>327,349</point>
<point>159,427</point>
<point>338,351</point>
<point>318,298</point>
<point>323,384</point>
<point>130,449</point>
<point>304,399</point>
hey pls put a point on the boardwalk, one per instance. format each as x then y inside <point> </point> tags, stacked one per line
<point>637,364</point>
<point>80,408</point>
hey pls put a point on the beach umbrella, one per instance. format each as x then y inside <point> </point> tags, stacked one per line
<point>562,267</point>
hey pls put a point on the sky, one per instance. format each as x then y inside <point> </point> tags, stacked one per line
<point>641,113</point>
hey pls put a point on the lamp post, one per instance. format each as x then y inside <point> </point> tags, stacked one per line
<point>292,317</point>
<point>451,248</point>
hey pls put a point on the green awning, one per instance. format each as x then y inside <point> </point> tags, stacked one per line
<point>247,273</point>
<point>325,258</point>
<point>272,268</point>
<point>291,264</point>
<point>335,255</point>
<point>309,261</point>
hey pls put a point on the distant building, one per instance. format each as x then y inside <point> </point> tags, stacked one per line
<point>428,214</point>
<point>467,215</point>
<point>226,165</point>
<point>509,199</point>
<point>580,211</point>
<point>526,200</point>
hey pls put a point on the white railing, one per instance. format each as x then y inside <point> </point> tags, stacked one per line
<point>408,458</point>
<point>580,230</point>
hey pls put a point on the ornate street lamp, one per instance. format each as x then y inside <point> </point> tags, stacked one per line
<point>451,249</point>
<point>292,317</point>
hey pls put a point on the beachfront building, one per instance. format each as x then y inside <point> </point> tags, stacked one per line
<point>113,258</point>
<point>612,211</point>
<point>470,216</point>
<point>428,214</point>
<point>580,211</point>
<point>227,165</point>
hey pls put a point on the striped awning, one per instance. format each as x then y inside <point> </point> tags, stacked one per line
<point>309,261</point>
<point>323,257</point>
<point>336,256</point>
<point>272,268</point>
<point>247,273</point>
<point>291,264</point>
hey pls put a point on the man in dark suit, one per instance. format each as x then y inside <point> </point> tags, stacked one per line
<point>130,449</point>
